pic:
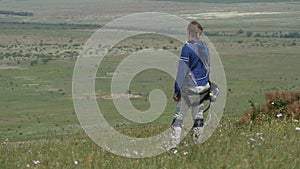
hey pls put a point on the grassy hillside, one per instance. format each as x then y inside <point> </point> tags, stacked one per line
<point>38,124</point>
<point>230,147</point>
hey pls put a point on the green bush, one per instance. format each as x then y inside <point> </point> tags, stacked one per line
<point>33,62</point>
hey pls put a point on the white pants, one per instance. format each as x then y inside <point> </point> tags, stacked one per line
<point>179,113</point>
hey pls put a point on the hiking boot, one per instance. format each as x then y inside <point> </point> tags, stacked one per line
<point>175,138</point>
<point>198,134</point>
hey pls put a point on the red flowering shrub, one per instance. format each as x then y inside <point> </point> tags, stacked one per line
<point>279,105</point>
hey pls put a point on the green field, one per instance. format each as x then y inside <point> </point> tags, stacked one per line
<point>38,124</point>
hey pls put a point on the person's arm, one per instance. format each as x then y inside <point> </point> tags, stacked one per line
<point>182,70</point>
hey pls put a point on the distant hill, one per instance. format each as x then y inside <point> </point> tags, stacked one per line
<point>16,13</point>
<point>230,1</point>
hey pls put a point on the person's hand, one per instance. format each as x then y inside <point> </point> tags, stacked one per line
<point>176,97</point>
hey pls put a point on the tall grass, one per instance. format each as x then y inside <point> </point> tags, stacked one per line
<point>232,145</point>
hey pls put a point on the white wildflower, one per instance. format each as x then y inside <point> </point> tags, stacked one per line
<point>75,162</point>
<point>297,128</point>
<point>135,152</point>
<point>261,138</point>
<point>5,141</point>
<point>28,165</point>
<point>259,134</point>
<point>185,144</point>
<point>279,115</point>
<point>36,162</point>
<point>185,152</point>
<point>252,139</point>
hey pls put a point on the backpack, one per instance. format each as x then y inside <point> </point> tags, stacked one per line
<point>193,98</point>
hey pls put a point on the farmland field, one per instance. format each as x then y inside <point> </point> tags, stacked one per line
<point>258,44</point>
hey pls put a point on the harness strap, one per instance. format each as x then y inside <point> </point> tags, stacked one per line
<point>206,65</point>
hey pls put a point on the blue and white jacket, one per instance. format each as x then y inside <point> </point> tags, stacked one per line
<point>191,70</point>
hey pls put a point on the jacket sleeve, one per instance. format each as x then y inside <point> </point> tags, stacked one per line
<point>183,68</point>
